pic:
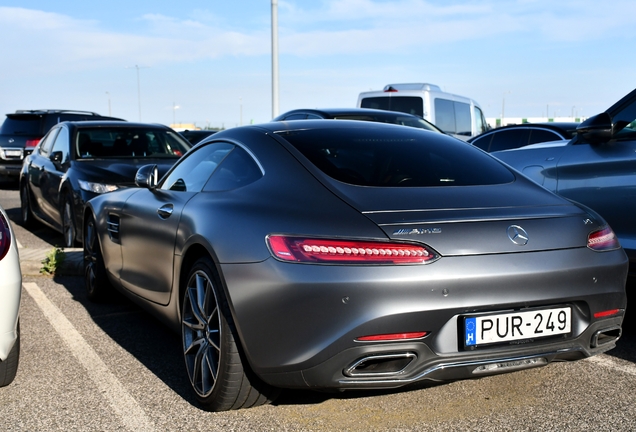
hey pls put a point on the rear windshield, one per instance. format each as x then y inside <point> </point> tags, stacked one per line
<point>396,157</point>
<point>114,142</point>
<point>406,104</point>
<point>21,125</point>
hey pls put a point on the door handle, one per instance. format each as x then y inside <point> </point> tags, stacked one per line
<point>165,211</point>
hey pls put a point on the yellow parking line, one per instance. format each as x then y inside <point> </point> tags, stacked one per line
<point>131,414</point>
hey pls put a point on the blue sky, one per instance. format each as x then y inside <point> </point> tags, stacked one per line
<point>212,59</point>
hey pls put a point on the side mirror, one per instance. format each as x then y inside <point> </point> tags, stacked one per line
<point>56,157</point>
<point>596,129</point>
<point>147,177</point>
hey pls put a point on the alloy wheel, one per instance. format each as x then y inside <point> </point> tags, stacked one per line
<point>201,328</point>
<point>67,224</point>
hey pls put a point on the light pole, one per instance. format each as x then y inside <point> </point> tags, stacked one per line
<point>175,107</point>
<point>274,58</point>
<point>503,107</point>
<point>109,114</point>
<point>138,87</point>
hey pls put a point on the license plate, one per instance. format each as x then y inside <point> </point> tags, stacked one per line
<point>514,326</point>
<point>13,153</point>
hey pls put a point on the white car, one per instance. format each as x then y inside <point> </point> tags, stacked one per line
<point>10,290</point>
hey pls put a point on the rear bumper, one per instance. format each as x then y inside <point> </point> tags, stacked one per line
<point>298,324</point>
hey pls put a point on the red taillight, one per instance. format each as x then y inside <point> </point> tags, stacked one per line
<point>605,314</point>
<point>603,240</point>
<point>316,250</point>
<point>5,237</point>
<point>31,143</point>
<point>392,337</point>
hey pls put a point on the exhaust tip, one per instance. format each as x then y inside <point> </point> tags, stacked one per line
<point>606,336</point>
<point>380,365</point>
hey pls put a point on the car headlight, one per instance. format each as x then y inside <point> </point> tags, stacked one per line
<point>98,188</point>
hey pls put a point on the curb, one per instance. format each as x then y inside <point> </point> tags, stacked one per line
<point>31,261</point>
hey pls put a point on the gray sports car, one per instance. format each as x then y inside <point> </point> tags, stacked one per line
<point>334,254</point>
<point>596,168</point>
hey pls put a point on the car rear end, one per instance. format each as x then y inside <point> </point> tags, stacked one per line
<point>469,271</point>
<point>19,134</point>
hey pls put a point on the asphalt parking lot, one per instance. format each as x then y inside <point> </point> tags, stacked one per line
<point>113,367</point>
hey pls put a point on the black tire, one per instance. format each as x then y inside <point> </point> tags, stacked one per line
<point>68,221</point>
<point>95,280</point>
<point>218,373</point>
<point>25,207</point>
<point>9,367</point>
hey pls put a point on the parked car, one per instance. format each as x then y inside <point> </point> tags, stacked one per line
<point>341,255</point>
<point>596,168</point>
<point>10,292</point>
<point>520,135</point>
<point>76,161</point>
<point>194,136</point>
<point>363,114</point>
<point>456,115</point>
<point>21,132</point>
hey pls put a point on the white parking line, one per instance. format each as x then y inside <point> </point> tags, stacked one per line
<point>608,362</point>
<point>131,414</point>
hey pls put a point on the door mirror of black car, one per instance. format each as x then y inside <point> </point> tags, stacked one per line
<point>56,157</point>
<point>596,129</point>
<point>147,176</point>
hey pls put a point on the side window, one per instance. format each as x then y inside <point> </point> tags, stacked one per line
<point>237,169</point>
<point>47,142</point>
<point>541,135</point>
<point>445,115</point>
<point>195,169</point>
<point>62,144</point>
<point>463,122</point>
<point>509,139</point>
<point>480,124</point>
<point>296,117</point>
<point>483,142</point>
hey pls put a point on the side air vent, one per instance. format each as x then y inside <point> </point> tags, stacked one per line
<point>113,227</point>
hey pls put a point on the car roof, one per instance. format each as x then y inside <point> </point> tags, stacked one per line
<point>114,123</point>
<point>331,112</point>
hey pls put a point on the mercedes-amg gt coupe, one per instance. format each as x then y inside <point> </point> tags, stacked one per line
<point>339,255</point>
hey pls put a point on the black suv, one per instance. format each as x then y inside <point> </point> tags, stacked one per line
<point>22,130</point>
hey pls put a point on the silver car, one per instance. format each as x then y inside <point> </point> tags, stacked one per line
<point>340,255</point>
<point>596,168</point>
<point>10,292</point>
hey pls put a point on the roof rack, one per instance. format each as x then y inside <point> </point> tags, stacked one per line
<point>56,111</point>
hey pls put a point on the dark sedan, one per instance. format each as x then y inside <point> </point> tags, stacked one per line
<point>520,135</point>
<point>361,114</point>
<point>596,168</point>
<point>333,254</point>
<point>194,136</point>
<point>77,161</point>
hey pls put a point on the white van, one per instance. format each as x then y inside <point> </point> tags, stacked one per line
<point>456,115</point>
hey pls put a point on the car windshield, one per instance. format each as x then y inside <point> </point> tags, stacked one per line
<point>396,157</point>
<point>117,142</point>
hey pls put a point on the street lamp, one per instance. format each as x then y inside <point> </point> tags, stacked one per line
<point>108,93</point>
<point>503,106</point>
<point>274,58</point>
<point>175,107</point>
<point>138,86</point>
